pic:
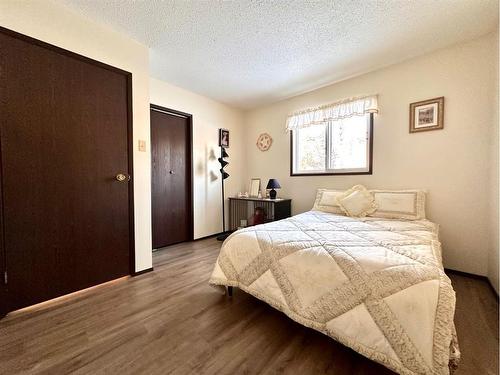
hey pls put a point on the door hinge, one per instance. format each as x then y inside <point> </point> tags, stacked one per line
<point>5,278</point>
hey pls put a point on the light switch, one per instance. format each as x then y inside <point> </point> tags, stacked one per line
<point>142,145</point>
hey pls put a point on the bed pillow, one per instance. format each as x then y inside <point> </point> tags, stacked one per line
<point>357,202</point>
<point>399,204</point>
<point>326,201</point>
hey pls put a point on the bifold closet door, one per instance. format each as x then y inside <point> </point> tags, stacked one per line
<point>170,178</point>
<point>64,128</point>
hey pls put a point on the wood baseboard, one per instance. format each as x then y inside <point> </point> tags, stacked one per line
<point>213,235</point>
<point>193,240</point>
<point>137,273</point>
<point>466,274</point>
<point>207,237</point>
<point>474,276</point>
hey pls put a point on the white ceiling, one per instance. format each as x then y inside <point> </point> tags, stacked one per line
<point>249,53</point>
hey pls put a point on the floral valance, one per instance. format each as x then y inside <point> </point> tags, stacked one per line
<point>358,106</point>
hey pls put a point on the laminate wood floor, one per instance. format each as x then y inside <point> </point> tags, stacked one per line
<point>171,322</point>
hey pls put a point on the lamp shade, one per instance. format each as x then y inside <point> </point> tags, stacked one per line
<point>273,184</point>
<point>224,174</point>
<point>224,153</point>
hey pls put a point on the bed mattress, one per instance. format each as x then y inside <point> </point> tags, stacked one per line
<point>375,285</point>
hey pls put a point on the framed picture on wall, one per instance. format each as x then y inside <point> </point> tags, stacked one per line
<point>224,138</point>
<point>427,115</point>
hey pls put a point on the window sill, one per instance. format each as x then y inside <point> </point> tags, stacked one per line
<point>330,174</point>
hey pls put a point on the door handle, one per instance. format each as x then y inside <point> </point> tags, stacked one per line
<point>120,177</point>
<point>171,172</point>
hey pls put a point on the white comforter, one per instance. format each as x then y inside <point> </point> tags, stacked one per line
<point>375,285</point>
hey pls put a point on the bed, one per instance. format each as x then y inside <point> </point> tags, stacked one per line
<point>376,285</point>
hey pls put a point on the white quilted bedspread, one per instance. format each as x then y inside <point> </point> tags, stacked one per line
<point>375,285</point>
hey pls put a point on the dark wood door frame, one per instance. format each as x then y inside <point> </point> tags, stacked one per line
<point>189,118</point>
<point>4,307</point>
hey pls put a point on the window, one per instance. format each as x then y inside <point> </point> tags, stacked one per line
<point>336,147</point>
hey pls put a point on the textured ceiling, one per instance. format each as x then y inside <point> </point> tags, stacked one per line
<point>250,53</point>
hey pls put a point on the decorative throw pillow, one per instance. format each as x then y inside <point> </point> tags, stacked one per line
<point>357,202</point>
<point>399,204</point>
<point>326,201</point>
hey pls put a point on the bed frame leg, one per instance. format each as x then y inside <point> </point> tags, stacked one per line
<point>230,291</point>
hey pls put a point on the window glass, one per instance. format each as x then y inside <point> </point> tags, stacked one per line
<point>348,139</point>
<point>339,147</point>
<point>311,148</point>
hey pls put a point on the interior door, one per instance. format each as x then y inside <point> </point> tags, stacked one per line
<point>64,128</point>
<point>170,177</point>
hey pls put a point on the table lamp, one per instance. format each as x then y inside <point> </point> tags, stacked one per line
<point>273,184</point>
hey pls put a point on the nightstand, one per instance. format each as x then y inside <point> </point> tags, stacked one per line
<point>243,209</point>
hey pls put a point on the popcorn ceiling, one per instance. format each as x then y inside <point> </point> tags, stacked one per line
<point>252,53</point>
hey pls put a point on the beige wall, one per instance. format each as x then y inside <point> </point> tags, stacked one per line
<point>208,117</point>
<point>57,25</point>
<point>452,164</point>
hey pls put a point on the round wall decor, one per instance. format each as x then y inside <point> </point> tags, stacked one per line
<point>264,142</point>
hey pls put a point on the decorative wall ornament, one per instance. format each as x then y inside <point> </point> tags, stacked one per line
<point>223,142</point>
<point>264,142</point>
<point>427,115</point>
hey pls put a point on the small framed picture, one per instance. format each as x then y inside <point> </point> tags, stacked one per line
<point>254,187</point>
<point>427,115</point>
<point>224,138</point>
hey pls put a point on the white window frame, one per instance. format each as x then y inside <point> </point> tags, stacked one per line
<point>343,171</point>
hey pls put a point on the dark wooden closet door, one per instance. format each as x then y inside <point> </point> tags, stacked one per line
<point>64,137</point>
<point>170,153</point>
